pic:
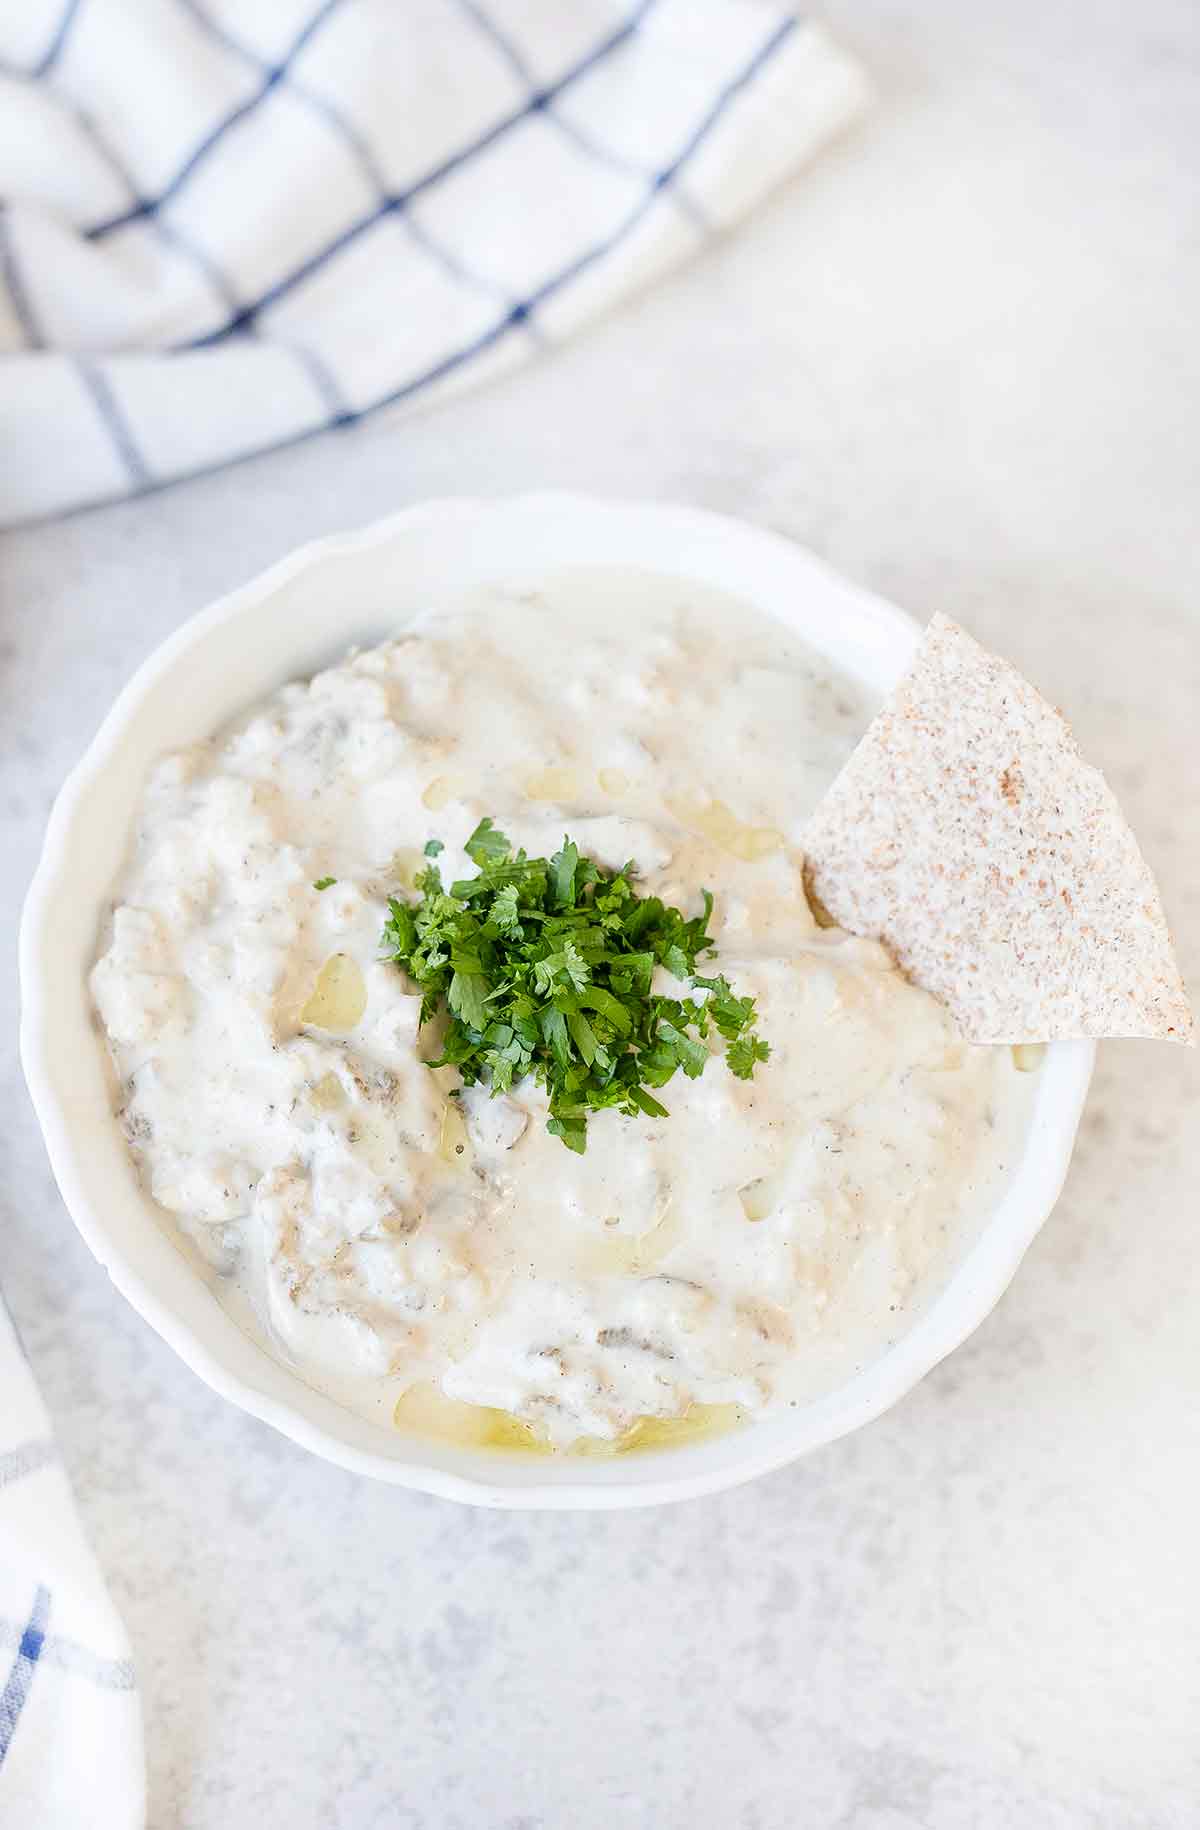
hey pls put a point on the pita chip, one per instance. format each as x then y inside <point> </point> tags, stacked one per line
<point>969,835</point>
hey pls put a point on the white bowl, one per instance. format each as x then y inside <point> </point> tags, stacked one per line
<point>299,615</point>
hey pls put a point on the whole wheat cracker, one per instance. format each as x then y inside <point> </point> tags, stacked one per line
<point>969,835</point>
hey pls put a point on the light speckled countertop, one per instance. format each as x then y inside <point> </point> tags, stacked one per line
<point>960,360</point>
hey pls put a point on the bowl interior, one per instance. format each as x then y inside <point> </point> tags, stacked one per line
<point>302,614</point>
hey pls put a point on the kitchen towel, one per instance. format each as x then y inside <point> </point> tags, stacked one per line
<point>70,1716</point>
<point>228,224</point>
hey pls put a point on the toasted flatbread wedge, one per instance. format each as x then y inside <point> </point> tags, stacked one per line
<point>969,835</point>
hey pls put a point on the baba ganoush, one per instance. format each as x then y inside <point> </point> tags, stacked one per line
<point>430,1253</point>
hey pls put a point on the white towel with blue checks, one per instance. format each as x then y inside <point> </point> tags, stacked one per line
<point>228,224</point>
<point>70,1717</point>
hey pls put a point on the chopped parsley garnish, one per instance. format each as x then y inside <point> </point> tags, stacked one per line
<point>324,883</point>
<point>545,965</point>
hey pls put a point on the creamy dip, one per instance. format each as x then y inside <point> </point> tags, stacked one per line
<point>448,1261</point>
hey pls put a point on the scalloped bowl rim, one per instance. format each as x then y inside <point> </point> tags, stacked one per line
<point>493,539</point>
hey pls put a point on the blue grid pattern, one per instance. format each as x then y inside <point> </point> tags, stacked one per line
<point>59,1652</point>
<point>393,277</point>
<point>115,424</point>
<point>521,313</point>
<point>15,285</point>
<point>272,77</point>
<point>85,1740</point>
<point>20,1678</point>
<point>51,54</point>
<point>537,103</point>
<point>242,320</point>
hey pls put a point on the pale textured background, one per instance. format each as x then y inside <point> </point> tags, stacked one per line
<point>959,359</point>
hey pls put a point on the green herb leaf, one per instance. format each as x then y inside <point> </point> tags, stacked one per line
<point>503,915</point>
<point>742,1055</point>
<point>563,866</point>
<point>545,968</point>
<point>569,1123</point>
<point>486,845</point>
<point>400,931</point>
<point>691,1055</point>
<point>467,998</point>
<point>324,883</point>
<point>554,1029</point>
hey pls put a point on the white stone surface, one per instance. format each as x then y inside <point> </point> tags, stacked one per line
<point>960,360</point>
